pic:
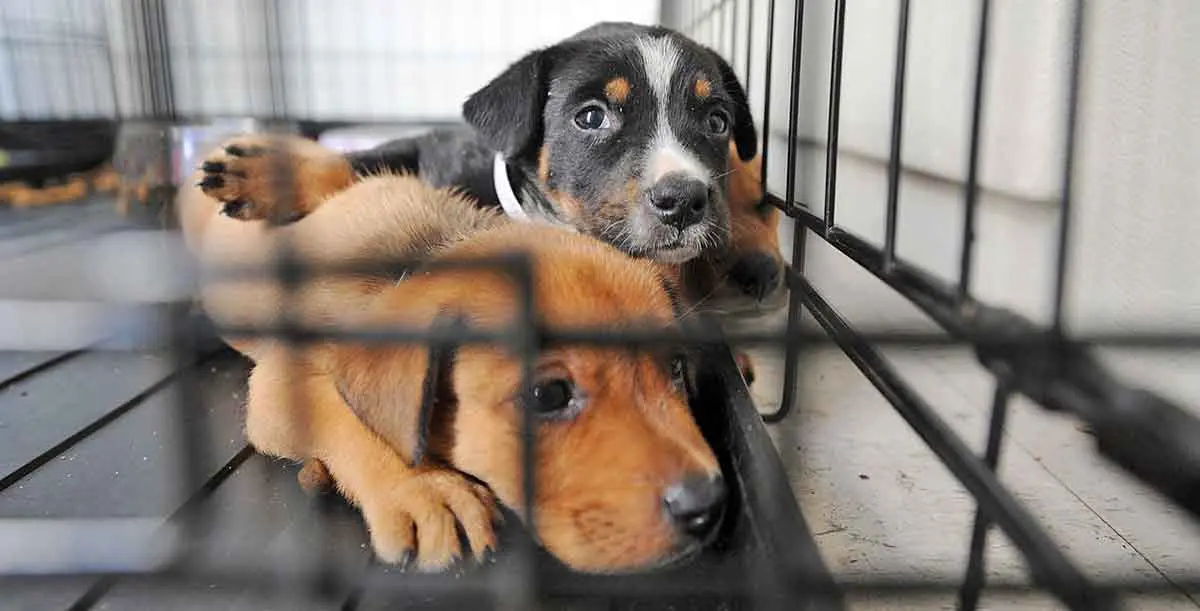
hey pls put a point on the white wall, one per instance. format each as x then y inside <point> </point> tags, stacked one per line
<point>53,59</point>
<point>1132,250</point>
<point>384,60</point>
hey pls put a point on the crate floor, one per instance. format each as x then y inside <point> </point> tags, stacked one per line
<point>880,503</point>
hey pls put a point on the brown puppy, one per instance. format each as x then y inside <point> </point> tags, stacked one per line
<point>750,264</point>
<point>252,175</point>
<point>624,479</point>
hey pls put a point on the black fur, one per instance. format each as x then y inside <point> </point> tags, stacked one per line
<point>532,104</point>
<point>436,387</point>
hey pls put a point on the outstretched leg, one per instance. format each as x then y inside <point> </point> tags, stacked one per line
<point>269,177</point>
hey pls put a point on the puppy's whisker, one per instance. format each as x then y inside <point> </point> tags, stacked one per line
<point>703,300</point>
<point>723,174</point>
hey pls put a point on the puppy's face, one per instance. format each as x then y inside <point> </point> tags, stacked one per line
<point>627,128</point>
<point>624,479</point>
<point>747,277</point>
<point>617,453</point>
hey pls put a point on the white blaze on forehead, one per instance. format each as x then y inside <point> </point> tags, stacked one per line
<point>661,59</point>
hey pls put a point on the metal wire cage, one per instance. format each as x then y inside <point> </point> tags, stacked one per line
<point>239,534</point>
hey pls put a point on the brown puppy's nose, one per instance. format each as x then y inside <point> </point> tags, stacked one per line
<point>696,504</point>
<point>756,275</point>
<point>679,200</point>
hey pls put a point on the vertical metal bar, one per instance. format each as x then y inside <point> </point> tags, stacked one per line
<point>791,358</point>
<point>974,580</point>
<point>110,63</point>
<point>1064,223</point>
<point>972,202</point>
<point>766,122</point>
<point>526,338</point>
<point>893,196</point>
<point>719,19</point>
<point>794,103</point>
<point>136,61</point>
<point>835,106</point>
<point>275,69</point>
<point>71,51</point>
<point>247,64</point>
<point>190,416</point>
<point>733,38</point>
<point>159,60</point>
<point>714,25</point>
<point>749,45</point>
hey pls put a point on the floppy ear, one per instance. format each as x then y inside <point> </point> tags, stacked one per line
<point>745,136</point>
<point>507,112</point>
<point>395,391</point>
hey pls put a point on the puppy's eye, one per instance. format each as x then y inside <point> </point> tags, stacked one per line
<point>717,122</point>
<point>552,396</point>
<point>592,118</point>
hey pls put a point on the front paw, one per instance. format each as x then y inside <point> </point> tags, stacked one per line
<point>416,522</point>
<point>248,175</point>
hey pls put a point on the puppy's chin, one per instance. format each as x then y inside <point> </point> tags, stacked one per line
<point>665,244</point>
<point>680,556</point>
<point>735,305</point>
<point>682,553</point>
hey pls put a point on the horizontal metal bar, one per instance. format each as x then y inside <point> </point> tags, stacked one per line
<point>1030,344</point>
<point>35,546</point>
<point>254,576</point>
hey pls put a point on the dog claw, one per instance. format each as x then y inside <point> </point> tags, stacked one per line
<point>238,150</point>
<point>487,556</point>
<point>232,208</point>
<point>407,560</point>
<point>212,182</point>
<point>213,167</point>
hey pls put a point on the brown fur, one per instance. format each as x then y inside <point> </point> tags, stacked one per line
<point>617,90</point>
<point>754,227</point>
<point>702,88</point>
<point>353,408</point>
<point>700,280</point>
<point>544,164</point>
<point>258,171</point>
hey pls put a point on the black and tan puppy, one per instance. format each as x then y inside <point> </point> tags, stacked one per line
<point>624,479</point>
<point>636,135</point>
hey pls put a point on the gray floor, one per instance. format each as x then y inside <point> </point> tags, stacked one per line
<point>881,504</point>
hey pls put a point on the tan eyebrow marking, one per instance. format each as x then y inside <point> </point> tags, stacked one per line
<point>617,90</point>
<point>703,87</point>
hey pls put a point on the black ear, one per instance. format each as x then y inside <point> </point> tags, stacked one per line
<point>507,112</point>
<point>745,136</point>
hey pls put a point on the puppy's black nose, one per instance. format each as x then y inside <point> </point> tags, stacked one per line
<point>696,504</point>
<point>756,275</point>
<point>679,200</point>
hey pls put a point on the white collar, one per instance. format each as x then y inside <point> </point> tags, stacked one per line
<point>508,199</point>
